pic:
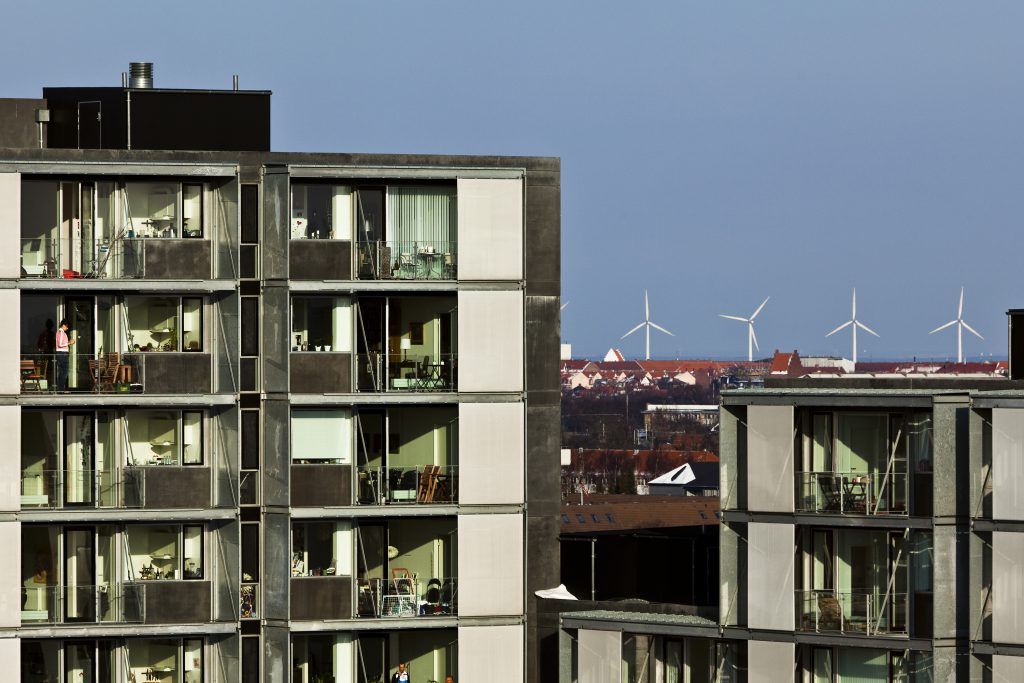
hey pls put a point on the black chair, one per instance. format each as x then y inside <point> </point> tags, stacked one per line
<point>830,492</point>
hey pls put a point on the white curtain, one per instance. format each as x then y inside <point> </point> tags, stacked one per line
<point>422,215</point>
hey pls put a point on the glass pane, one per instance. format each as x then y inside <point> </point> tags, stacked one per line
<point>321,324</point>
<point>106,572</point>
<point>822,665</point>
<point>192,438</point>
<point>154,551</point>
<point>39,573</point>
<point>322,436</point>
<point>79,662</point>
<point>250,552</point>
<point>153,437</point>
<point>191,324</point>
<point>193,649</point>
<point>39,457</point>
<point>192,211</point>
<point>193,552</point>
<point>154,661</point>
<point>40,661</point>
<point>674,662</point>
<point>152,323</point>
<point>152,209</point>
<point>79,464</point>
<point>79,575</point>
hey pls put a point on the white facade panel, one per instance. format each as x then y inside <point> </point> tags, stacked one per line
<point>10,463</point>
<point>492,447</point>
<point>490,566</point>
<point>491,653</point>
<point>10,225</point>
<point>599,657</point>
<point>10,655</point>
<point>490,341</point>
<point>1007,587</point>
<point>10,575</point>
<point>770,662</point>
<point>1007,463</point>
<point>770,446</point>
<point>490,231</point>
<point>770,584</point>
<point>10,353</point>
<point>1006,668</point>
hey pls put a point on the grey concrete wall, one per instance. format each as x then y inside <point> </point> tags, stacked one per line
<point>321,597</point>
<point>276,463</point>
<point>321,485</point>
<point>274,236</point>
<point>177,487</point>
<point>177,602</point>
<point>18,127</point>
<point>732,463</point>
<point>732,573</point>
<point>178,259</point>
<point>275,324</point>
<point>175,373</point>
<point>276,567</point>
<point>223,455</point>
<point>770,452</point>
<point>222,321</point>
<point>770,588</point>
<point>320,373</point>
<point>224,570</point>
<point>320,259</point>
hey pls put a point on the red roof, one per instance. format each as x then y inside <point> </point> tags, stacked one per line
<point>786,364</point>
<point>610,513</point>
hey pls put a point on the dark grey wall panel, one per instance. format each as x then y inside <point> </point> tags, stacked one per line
<point>320,260</point>
<point>276,452</point>
<point>224,569</point>
<point>184,259</point>
<point>18,127</point>
<point>223,444</point>
<point>176,602</point>
<point>321,597</point>
<point>276,567</point>
<point>276,325</point>
<point>274,238</point>
<point>176,487</point>
<point>543,233</point>
<point>223,319</point>
<point>320,373</point>
<point>176,373</point>
<point>321,485</point>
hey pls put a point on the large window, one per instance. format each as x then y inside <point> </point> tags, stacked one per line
<point>322,549</point>
<point>322,212</point>
<point>322,437</point>
<point>166,551</point>
<point>165,660</point>
<point>164,323</point>
<point>164,209</point>
<point>164,437</point>
<point>321,324</point>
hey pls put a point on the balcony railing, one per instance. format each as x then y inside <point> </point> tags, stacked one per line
<point>65,258</point>
<point>407,260</point>
<point>419,484</point>
<point>52,489</point>
<point>82,604</point>
<point>867,613</point>
<point>406,597</point>
<point>852,493</point>
<point>406,372</point>
<point>111,373</point>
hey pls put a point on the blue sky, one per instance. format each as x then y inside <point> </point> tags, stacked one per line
<point>714,153</point>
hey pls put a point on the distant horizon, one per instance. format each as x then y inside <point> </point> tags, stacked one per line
<point>767,359</point>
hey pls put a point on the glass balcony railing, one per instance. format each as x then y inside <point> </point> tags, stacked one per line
<point>852,493</point>
<point>63,258</point>
<point>406,597</point>
<point>53,489</point>
<point>406,260</point>
<point>866,613</point>
<point>419,484</point>
<point>44,604</point>
<point>406,372</point>
<point>111,373</point>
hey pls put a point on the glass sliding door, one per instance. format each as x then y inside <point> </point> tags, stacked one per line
<point>81,316</point>
<point>79,575</point>
<point>79,459</point>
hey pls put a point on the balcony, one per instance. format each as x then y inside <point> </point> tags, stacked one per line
<point>406,372</point>
<point>406,596</point>
<point>852,493</point>
<point>172,488</point>
<point>863,613</point>
<point>168,601</point>
<point>412,260</point>
<point>321,597</point>
<point>315,485</point>
<point>116,373</point>
<point>120,259</point>
<point>48,605</point>
<point>412,485</point>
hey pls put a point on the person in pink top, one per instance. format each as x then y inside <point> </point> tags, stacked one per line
<point>62,349</point>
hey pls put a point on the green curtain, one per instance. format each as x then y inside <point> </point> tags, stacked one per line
<point>424,216</point>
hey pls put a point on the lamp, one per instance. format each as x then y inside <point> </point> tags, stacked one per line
<point>405,344</point>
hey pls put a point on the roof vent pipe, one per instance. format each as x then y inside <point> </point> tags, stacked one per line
<point>124,79</point>
<point>141,75</point>
<point>234,81</point>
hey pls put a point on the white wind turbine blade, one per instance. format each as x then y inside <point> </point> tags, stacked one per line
<point>854,316</point>
<point>759,308</point>
<point>753,336</point>
<point>647,308</point>
<point>662,329</point>
<point>942,327</point>
<point>866,328</point>
<point>632,331</point>
<point>733,317</point>
<point>960,310</point>
<point>564,305</point>
<point>841,327</point>
<point>971,330</point>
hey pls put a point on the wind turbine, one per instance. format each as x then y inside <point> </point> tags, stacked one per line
<point>751,337</point>
<point>960,326</point>
<point>855,324</point>
<point>648,324</point>
<point>564,305</point>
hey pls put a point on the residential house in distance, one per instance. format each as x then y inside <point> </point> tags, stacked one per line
<point>301,432</point>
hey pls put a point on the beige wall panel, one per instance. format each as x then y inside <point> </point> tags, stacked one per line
<point>770,596</point>
<point>1007,463</point>
<point>770,440</point>
<point>770,662</point>
<point>490,567</point>
<point>599,658</point>
<point>490,231</point>
<point>10,225</point>
<point>491,453</point>
<point>10,575</point>
<point>491,653</point>
<point>490,341</point>
<point>1007,587</point>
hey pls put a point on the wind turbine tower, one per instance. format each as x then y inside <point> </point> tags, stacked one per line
<point>854,323</point>
<point>648,324</point>
<point>751,337</point>
<point>960,326</point>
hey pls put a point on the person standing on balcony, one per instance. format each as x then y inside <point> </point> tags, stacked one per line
<point>401,676</point>
<point>62,350</point>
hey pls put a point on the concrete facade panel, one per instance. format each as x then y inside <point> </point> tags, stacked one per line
<point>320,259</point>
<point>491,653</point>
<point>490,229</point>
<point>1007,463</point>
<point>1008,587</point>
<point>491,453</point>
<point>770,662</point>
<point>490,341</point>
<point>490,566</point>
<point>10,309</point>
<point>10,225</point>
<point>10,464</point>
<point>770,446</point>
<point>10,575</point>
<point>600,656</point>
<point>770,582</point>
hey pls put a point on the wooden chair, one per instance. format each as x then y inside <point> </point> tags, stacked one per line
<point>31,373</point>
<point>830,613</point>
<point>428,484</point>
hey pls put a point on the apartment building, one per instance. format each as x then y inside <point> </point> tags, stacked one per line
<point>302,421</point>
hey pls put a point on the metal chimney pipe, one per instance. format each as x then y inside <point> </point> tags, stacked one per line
<point>141,75</point>
<point>124,79</point>
<point>234,81</point>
